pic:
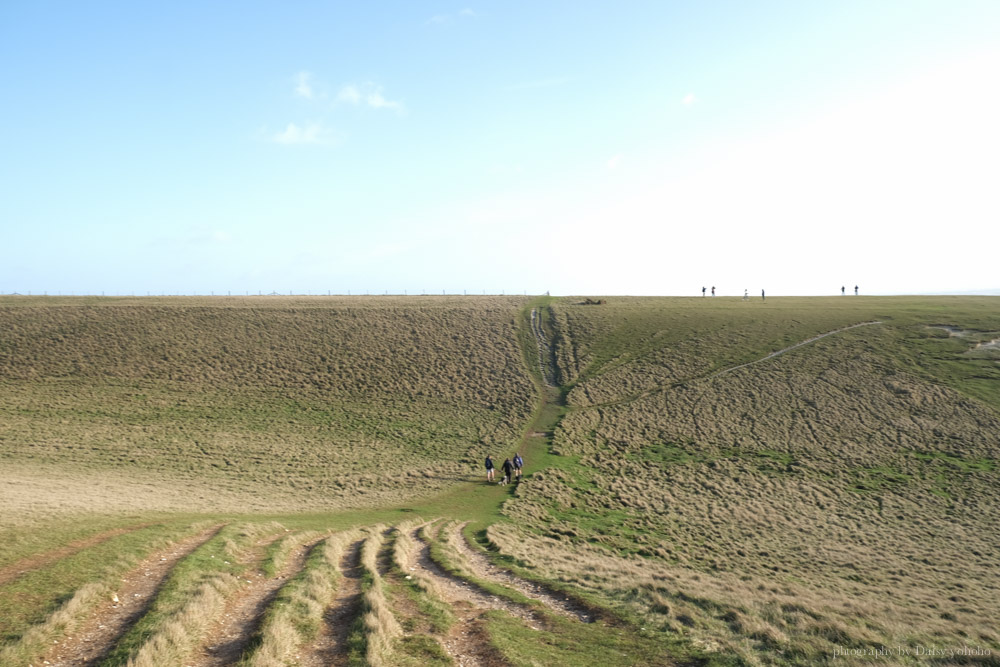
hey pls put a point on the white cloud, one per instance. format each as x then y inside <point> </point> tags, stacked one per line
<point>615,161</point>
<point>689,99</point>
<point>377,101</point>
<point>349,94</point>
<point>313,133</point>
<point>303,85</point>
<point>467,12</point>
<point>369,95</point>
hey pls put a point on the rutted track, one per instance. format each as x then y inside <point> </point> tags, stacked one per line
<point>14,570</point>
<point>330,647</point>
<point>484,569</point>
<point>113,617</point>
<point>546,359</point>
<point>467,642</point>
<point>230,636</point>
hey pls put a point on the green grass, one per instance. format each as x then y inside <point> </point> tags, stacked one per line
<point>212,560</point>
<point>28,599</point>
<point>763,515</point>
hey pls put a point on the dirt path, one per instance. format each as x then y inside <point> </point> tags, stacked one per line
<point>484,569</point>
<point>467,642</point>
<point>229,637</point>
<point>724,371</point>
<point>14,570</point>
<point>114,616</point>
<point>330,647</point>
<point>546,357</point>
<point>789,349</point>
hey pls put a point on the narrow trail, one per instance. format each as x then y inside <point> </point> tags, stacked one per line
<point>228,638</point>
<point>787,349</point>
<point>724,371</point>
<point>467,642</point>
<point>546,358</point>
<point>330,646</point>
<point>113,617</point>
<point>484,569</point>
<point>17,569</point>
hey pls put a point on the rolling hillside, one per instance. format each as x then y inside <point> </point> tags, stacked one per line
<point>297,481</point>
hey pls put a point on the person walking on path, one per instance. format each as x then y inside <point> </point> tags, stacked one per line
<point>703,292</point>
<point>855,290</point>
<point>841,290</point>
<point>762,296</point>
<point>508,467</point>
<point>746,295</point>
<point>713,290</point>
<point>489,468</point>
<point>518,464</point>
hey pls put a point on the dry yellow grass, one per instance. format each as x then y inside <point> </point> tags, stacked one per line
<point>252,404</point>
<point>830,498</point>
<point>297,614</point>
<point>380,625</point>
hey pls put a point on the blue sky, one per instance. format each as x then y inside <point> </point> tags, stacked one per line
<point>579,148</point>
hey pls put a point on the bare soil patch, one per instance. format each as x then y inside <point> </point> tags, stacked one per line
<point>113,617</point>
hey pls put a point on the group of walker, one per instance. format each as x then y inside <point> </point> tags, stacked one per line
<point>511,469</point>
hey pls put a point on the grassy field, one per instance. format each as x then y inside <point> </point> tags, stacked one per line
<point>268,404</point>
<point>718,481</point>
<point>842,495</point>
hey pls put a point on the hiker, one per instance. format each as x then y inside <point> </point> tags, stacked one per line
<point>746,295</point>
<point>518,464</point>
<point>855,290</point>
<point>507,468</point>
<point>703,292</point>
<point>841,290</point>
<point>713,290</point>
<point>489,468</point>
<point>762,296</point>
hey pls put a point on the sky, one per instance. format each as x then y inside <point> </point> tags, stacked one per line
<point>501,147</point>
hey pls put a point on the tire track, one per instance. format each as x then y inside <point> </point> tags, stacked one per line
<point>13,571</point>
<point>546,358</point>
<point>467,642</point>
<point>112,618</point>
<point>229,638</point>
<point>484,569</point>
<point>330,647</point>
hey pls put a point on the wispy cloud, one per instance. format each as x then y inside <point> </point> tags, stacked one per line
<point>689,99</point>
<point>303,85</point>
<point>368,94</point>
<point>443,19</point>
<point>349,94</point>
<point>615,161</point>
<point>313,133</point>
<point>540,83</point>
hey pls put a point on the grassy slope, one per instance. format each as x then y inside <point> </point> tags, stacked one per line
<point>843,494</point>
<point>840,495</point>
<point>254,404</point>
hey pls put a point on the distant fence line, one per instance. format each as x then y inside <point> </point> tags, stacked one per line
<point>248,293</point>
